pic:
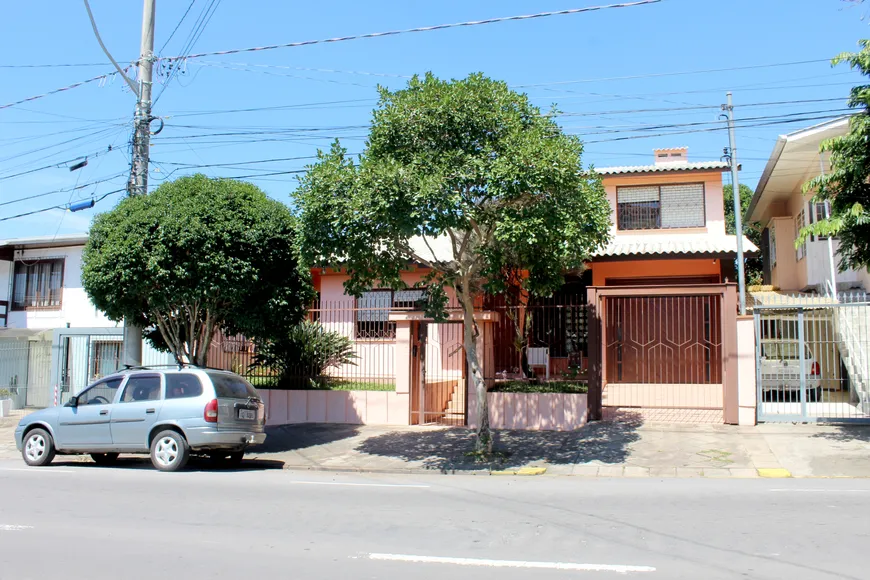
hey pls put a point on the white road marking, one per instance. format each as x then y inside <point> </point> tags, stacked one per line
<point>37,469</point>
<point>785,490</point>
<point>619,568</point>
<point>12,528</point>
<point>360,484</point>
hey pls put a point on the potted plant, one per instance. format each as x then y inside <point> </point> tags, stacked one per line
<point>5,402</point>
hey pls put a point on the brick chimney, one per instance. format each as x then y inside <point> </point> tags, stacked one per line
<point>671,155</point>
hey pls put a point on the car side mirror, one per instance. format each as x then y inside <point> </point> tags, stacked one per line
<point>73,402</point>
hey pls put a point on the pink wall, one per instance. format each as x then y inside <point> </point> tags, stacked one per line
<point>746,370</point>
<point>377,356</point>
<point>532,411</point>
<point>353,407</point>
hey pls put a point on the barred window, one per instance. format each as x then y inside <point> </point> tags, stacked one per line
<point>660,207</point>
<point>373,315</point>
<point>772,245</point>
<point>37,284</point>
<point>801,251</point>
<point>817,213</point>
<point>373,311</point>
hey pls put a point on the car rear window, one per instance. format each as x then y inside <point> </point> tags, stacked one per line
<point>784,351</point>
<point>232,386</point>
<point>182,385</point>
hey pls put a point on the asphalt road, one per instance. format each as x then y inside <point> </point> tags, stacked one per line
<point>76,521</point>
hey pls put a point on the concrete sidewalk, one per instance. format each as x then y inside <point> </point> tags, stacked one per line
<point>607,449</point>
<point>604,449</point>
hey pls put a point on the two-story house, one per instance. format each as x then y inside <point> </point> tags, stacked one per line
<point>781,208</point>
<point>51,335</point>
<point>835,337</point>
<point>664,339</point>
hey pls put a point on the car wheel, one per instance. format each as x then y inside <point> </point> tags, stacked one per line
<point>38,448</point>
<point>104,458</point>
<point>169,451</point>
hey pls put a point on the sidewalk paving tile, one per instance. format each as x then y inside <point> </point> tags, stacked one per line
<point>689,472</point>
<point>716,472</point>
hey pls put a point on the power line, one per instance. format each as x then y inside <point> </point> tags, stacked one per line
<point>174,30</point>
<point>197,30</point>
<point>99,153</point>
<point>670,74</point>
<point>419,29</point>
<point>76,188</point>
<point>36,211</point>
<point>75,64</point>
<point>62,89</point>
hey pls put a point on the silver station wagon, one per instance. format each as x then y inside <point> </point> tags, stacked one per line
<point>169,413</point>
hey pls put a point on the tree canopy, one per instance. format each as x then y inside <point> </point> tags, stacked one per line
<point>753,265</point>
<point>465,178</point>
<point>197,255</point>
<point>846,186</point>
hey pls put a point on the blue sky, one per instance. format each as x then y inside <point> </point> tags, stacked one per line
<point>612,71</point>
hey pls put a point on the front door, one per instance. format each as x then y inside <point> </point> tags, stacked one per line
<point>136,412</point>
<point>87,425</point>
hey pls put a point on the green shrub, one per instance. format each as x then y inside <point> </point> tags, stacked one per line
<point>542,387</point>
<point>5,394</point>
<point>302,356</point>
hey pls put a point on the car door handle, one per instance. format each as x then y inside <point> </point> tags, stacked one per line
<point>104,412</point>
<point>150,411</point>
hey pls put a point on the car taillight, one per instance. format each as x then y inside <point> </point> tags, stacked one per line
<point>211,411</point>
<point>816,370</point>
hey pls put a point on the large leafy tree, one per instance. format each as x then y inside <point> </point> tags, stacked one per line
<point>195,256</point>
<point>465,178</point>
<point>846,185</point>
<point>752,265</point>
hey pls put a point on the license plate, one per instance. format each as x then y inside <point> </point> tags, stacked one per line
<point>247,414</point>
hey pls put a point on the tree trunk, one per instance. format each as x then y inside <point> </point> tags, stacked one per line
<point>483,442</point>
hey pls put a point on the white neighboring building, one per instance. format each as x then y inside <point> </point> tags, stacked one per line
<point>40,282</point>
<point>53,340</point>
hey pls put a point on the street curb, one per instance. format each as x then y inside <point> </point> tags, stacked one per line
<point>773,473</point>
<point>521,471</point>
<point>524,471</point>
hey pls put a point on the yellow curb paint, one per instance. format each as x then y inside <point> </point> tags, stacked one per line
<point>773,472</point>
<point>522,471</point>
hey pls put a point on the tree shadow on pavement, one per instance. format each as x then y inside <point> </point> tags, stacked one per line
<point>846,433</point>
<point>450,450</point>
<point>291,437</point>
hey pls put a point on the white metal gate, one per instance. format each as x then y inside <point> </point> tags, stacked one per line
<point>813,360</point>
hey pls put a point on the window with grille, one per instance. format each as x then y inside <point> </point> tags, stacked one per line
<point>654,207</point>
<point>772,244</point>
<point>817,213</point>
<point>105,358</point>
<point>801,251</point>
<point>37,284</point>
<point>373,315</point>
<point>373,311</point>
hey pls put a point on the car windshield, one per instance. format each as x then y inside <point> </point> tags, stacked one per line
<point>783,351</point>
<point>230,386</point>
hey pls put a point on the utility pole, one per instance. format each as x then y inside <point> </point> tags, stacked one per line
<point>833,272</point>
<point>138,182</point>
<point>738,218</point>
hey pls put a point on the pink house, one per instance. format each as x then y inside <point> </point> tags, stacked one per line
<point>651,324</point>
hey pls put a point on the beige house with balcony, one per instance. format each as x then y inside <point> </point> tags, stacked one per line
<point>781,208</point>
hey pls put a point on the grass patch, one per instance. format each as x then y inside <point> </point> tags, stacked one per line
<point>307,384</point>
<point>568,387</point>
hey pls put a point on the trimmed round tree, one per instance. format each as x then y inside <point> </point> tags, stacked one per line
<point>466,178</point>
<point>195,256</point>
